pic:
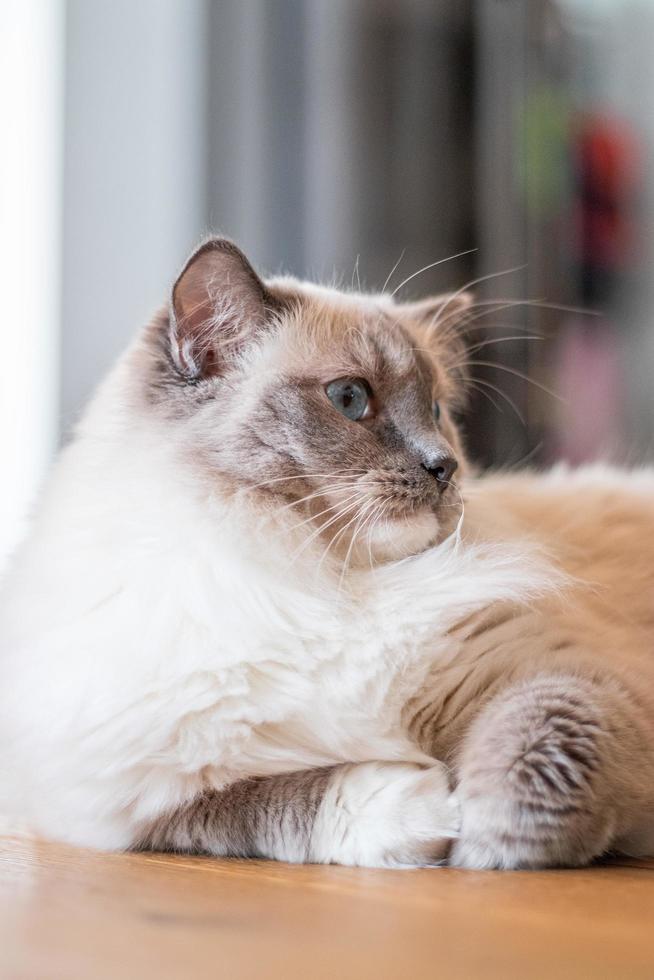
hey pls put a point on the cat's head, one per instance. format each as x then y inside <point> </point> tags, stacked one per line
<point>333,408</point>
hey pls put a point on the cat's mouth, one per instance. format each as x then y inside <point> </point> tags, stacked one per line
<point>392,518</point>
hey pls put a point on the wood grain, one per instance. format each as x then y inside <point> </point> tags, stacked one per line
<point>72,914</point>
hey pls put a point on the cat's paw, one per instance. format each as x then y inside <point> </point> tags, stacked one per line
<point>532,789</point>
<point>386,814</point>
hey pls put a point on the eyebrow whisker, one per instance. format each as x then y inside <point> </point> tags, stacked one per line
<point>390,274</point>
<point>432,265</point>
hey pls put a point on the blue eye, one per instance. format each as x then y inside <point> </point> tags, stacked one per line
<point>436,409</point>
<point>350,397</point>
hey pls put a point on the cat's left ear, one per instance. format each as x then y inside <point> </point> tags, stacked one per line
<point>218,305</point>
<point>436,313</point>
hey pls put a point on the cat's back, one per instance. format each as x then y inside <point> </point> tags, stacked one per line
<point>597,525</point>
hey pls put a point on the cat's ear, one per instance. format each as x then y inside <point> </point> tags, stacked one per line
<point>218,303</point>
<point>436,313</point>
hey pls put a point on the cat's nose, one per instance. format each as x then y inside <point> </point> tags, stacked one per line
<point>442,468</point>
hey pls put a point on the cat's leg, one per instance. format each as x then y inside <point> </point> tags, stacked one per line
<point>377,814</point>
<point>552,773</point>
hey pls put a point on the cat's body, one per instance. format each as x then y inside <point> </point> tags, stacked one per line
<point>187,663</point>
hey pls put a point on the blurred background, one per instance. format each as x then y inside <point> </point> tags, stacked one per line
<point>343,138</point>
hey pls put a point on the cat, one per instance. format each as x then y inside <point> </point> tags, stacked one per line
<point>266,609</point>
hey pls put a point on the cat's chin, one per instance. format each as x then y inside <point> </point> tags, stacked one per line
<point>404,536</point>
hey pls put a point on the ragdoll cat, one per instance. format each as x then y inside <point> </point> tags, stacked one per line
<point>253,617</point>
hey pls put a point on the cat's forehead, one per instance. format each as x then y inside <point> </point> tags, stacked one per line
<point>351,330</point>
<point>329,297</point>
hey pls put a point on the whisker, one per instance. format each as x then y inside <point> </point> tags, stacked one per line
<point>527,456</point>
<point>465,359</point>
<point>376,514</point>
<point>490,398</point>
<point>390,274</point>
<point>319,530</point>
<point>355,271</point>
<point>471,316</point>
<point>381,516</point>
<point>306,476</point>
<point>314,517</point>
<point>357,528</point>
<point>432,265</point>
<point>368,526</point>
<point>465,328</point>
<point>457,530</point>
<point>435,320</point>
<point>335,538</point>
<point>503,394</point>
<point>542,304</point>
<point>502,340</point>
<point>518,374</point>
<point>498,305</point>
<point>334,488</point>
<point>485,343</point>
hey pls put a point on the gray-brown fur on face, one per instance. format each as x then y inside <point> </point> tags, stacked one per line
<point>244,366</point>
<point>270,817</point>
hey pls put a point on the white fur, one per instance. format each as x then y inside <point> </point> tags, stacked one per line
<point>385,815</point>
<point>155,639</point>
<point>397,537</point>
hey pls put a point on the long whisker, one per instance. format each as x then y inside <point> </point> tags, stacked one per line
<point>334,488</point>
<point>332,507</point>
<point>485,343</point>
<point>481,391</point>
<point>336,537</point>
<point>307,476</point>
<point>457,529</point>
<point>542,304</point>
<point>468,285</point>
<point>368,509</point>
<point>371,516</point>
<point>355,272</point>
<point>390,274</point>
<point>432,265</point>
<point>323,527</point>
<point>502,340</point>
<point>368,526</point>
<point>527,456</point>
<point>365,510</point>
<point>376,514</point>
<point>518,374</point>
<point>498,305</point>
<point>502,394</point>
<point>380,515</point>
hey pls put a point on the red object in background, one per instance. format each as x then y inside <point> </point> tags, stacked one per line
<point>590,372</point>
<point>607,173</point>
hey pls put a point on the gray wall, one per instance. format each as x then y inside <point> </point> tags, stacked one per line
<point>135,172</point>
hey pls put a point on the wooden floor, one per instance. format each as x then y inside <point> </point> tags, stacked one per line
<point>71,914</point>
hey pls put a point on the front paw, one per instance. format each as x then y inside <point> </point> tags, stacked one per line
<point>533,790</point>
<point>386,814</point>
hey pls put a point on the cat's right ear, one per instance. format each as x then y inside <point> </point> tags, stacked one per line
<point>217,305</point>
